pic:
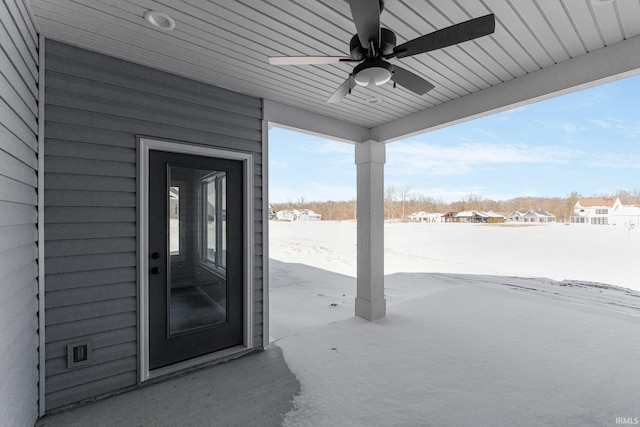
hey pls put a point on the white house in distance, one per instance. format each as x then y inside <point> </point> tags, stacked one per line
<point>298,215</point>
<point>425,217</point>
<point>594,210</point>
<point>531,215</point>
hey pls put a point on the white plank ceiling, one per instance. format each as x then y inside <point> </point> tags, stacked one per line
<point>227,42</point>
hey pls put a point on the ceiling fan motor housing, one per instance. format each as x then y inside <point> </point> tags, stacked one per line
<point>387,43</point>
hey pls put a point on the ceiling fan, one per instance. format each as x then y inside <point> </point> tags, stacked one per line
<point>372,45</point>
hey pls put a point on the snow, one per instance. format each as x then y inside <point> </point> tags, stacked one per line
<point>465,341</point>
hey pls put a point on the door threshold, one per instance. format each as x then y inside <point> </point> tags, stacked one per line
<point>201,361</point>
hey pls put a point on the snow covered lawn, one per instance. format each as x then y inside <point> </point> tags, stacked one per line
<point>465,342</point>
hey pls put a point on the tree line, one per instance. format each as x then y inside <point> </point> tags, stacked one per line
<point>400,201</point>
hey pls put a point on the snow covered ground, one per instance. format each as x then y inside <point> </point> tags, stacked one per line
<point>486,325</point>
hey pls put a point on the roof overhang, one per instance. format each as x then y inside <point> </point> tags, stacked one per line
<point>601,66</point>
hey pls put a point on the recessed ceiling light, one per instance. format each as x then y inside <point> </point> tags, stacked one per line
<point>159,20</point>
<point>373,101</point>
<point>601,2</point>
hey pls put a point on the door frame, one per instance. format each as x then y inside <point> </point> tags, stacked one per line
<point>145,144</point>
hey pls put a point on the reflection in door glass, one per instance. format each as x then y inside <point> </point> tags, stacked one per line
<point>174,220</point>
<point>215,208</point>
<point>197,289</point>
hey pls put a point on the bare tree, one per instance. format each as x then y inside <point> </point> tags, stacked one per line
<point>301,203</point>
<point>330,206</point>
<point>403,194</point>
<point>390,193</point>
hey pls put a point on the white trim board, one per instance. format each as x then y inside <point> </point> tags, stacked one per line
<point>288,117</point>
<point>41,240</point>
<point>265,234</point>
<point>144,145</point>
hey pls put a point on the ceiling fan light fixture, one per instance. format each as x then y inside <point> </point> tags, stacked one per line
<point>160,20</point>
<point>372,73</point>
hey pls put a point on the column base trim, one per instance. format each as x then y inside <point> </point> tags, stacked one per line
<point>371,310</point>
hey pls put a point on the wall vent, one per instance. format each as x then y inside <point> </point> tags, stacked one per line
<point>79,354</point>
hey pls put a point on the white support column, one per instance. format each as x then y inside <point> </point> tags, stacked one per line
<point>370,159</point>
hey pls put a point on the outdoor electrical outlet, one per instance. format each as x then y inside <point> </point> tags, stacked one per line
<point>79,354</point>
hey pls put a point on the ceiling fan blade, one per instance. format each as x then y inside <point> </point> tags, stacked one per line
<point>343,90</point>
<point>307,60</point>
<point>410,81</point>
<point>366,16</point>
<point>454,34</point>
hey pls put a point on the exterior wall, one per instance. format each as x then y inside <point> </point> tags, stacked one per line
<point>95,107</point>
<point>18,216</point>
<point>591,215</point>
<point>628,216</point>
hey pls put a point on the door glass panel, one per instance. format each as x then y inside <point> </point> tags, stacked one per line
<point>197,291</point>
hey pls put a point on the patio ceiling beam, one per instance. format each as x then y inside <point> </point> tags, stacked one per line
<point>285,116</point>
<point>610,63</point>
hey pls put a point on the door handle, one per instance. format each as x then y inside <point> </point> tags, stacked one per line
<point>155,270</point>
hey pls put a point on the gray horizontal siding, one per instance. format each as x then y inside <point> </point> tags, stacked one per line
<point>89,230</point>
<point>18,216</point>
<point>96,108</point>
<point>81,279</point>
<point>111,376</point>
<point>82,150</point>
<point>70,297</point>
<point>72,331</point>
<point>60,215</point>
<point>96,120</point>
<point>62,248</point>
<point>20,150</point>
<point>94,66</point>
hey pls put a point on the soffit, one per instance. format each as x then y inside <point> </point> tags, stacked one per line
<point>226,43</point>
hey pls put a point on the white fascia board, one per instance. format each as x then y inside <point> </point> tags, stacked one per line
<point>285,116</point>
<point>604,65</point>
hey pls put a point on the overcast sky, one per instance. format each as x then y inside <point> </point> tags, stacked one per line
<point>588,141</point>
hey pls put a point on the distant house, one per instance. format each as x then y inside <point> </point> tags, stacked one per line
<point>531,215</point>
<point>464,216</point>
<point>594,210</point>
<point>309,215</point>
<point>492,217</point>
<point>486,217</point>
<point>516,215</point>
<point>287,215</point>
<point>425,217</point>
<point>298,215</point>
<point>449,216</point>
<point>476,217</point>
<point>625,215</point>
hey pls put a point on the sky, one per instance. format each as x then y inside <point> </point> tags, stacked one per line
<point>586,141</point>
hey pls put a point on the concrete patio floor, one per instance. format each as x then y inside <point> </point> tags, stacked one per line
<point>254,390</point>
